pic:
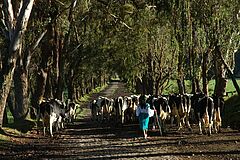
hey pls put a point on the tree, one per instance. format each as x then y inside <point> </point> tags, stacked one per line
<point>15,26</point>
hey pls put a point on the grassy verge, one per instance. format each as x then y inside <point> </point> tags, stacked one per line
<point>81,111</point>
<point>17,129</point>
<point>173,88</point>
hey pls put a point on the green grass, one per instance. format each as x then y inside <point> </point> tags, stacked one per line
<point>86,97</point>
<point>173,87</point>
<point>80,111</point>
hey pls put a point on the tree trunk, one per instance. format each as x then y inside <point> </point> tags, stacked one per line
<point>144,84</point>
<point>5,89</point>
<point>10,101</point>
<point>138,86</point>
<point>204,72</point>
<point>37,98</point>
<point>21,107</point>
<point>49,86</point>
<point>180,70</point>
<point>70,85</point>
<point>157,86</point>
<point>221,82</point>
<point>5,118</point>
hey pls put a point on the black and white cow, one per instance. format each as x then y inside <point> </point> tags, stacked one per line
<point>203,109</point>
<point>52,113</point>
<point>95,111</point>
<point>180,106</point>
<point>119,112</point>
<point>71,108</point>
<point>160,104</point>
<point>128,110</point>
<point>102,108</point>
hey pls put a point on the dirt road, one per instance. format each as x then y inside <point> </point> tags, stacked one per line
<point>89,140</point>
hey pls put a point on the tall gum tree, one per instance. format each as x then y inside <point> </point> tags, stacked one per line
<point>15,25</point>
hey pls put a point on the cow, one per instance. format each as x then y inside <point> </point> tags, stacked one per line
<point>204,109</point>
<point>102,108</point>
<point>52,113</point>
<point>163,111</point>
<point>134,105</point>
<point>118,108</point>
<point>71,111</point>
<point>180,106</point>
<point>217,114</point>
<point>94,110</point>
<point>128,110</point>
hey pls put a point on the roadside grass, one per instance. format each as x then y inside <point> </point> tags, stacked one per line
<point>80,111</point>
<point>173,87</point>
<point>16,129</point>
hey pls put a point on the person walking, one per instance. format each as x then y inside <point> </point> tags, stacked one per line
<point>143,113</point>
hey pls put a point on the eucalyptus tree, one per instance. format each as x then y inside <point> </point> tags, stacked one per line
<point>146,51</point>
<point>160,57</point>
<point>227,24</point>
<point>14,25</point>
<point>216,21</point>
<point>201,27</point>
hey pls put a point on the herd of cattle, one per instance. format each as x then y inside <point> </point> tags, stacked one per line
<point>55,113</point>
<point>181,109</point>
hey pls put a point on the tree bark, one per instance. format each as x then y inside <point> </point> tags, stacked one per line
<point>21,93</point>
<point>5,89</point>
<point>37,98</point>
<point>70,85</point>
<point>204,71</point>
<point>221,82</point>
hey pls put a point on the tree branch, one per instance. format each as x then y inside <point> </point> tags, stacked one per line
<point>229,72</point>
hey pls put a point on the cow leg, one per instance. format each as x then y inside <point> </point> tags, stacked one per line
<point>154,122</point>
<point>172,120</point>
<point>108,116</point>
<point>218,120</point>
<point>163,126</point>
<point>102,116</point>
<point>122,117</point>
<point>173,117</point>
<point>210,124</point>
<point>179,123</point>
<point>210,128</point>
<point>215,121</point>
<point>37,124</point>
<point>61,124</point>
<point>51,126</point>
<point>45,125</point>
<point>188,123</point>
<point>207,123</point>
<point>199,123</point>
<point>44,130</point>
